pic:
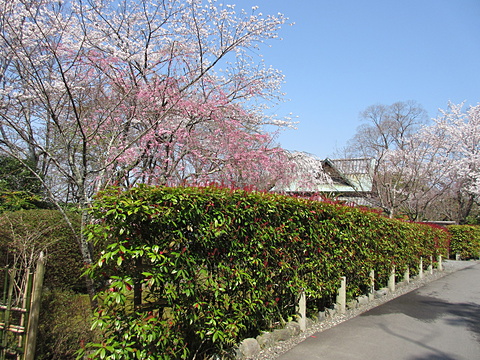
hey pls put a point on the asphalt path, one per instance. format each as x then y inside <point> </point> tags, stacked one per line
<point>438,321</point>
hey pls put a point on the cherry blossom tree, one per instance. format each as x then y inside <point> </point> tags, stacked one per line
<point>387,135</point>
<point>435,173</point>
<point>385,128</point>
<point>455,136</point>
<point>306,174</point>
<point>412,178</point>
<point>99,92</point>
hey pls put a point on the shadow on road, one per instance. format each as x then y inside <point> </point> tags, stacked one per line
<point>429,309</point>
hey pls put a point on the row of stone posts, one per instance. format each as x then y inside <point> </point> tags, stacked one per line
<point>341,299</point>
<point>250,347</point>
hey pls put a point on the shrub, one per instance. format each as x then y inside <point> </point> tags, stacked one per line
<point>23,234</point>
<point>20,200</point>
<point>64,325</point>
<point>65,311</point>
<point>465,241</point>
<point>19,189</point>
<point>192,271</point>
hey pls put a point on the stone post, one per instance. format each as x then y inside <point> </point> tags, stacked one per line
<point>302,311</point>
<point>420,269</point>
<point>440,265</point>
<point>372,284</point>
<point>430,267</point>
<point>342,296</point>
<point>406,275</point>
<point>391,280</point>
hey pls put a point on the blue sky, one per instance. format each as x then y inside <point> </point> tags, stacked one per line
<point>344,55</point>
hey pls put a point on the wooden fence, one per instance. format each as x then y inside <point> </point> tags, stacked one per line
<point>19,311</point>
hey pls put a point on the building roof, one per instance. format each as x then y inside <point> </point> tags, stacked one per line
<point>344,176</point>
<point>349,175</point>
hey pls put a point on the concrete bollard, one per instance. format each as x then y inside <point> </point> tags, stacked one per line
<point>302,311</point>
<point>420,269</point>
<point>371,293</point>
<point>391,280</point>
<point>406,276</point>
<point>372,281</point>
<point>342,296</point>
<point>440,265</point>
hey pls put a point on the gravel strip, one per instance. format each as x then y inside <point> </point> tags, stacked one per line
<point>281,347</point>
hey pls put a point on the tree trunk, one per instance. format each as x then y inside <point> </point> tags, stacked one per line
<point>465,204</point>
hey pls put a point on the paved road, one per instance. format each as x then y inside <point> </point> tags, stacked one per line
<point>438,321</point>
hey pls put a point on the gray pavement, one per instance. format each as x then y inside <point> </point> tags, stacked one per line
<point>438,321</point>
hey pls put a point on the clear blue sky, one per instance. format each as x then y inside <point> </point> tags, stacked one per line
<point>344,55</point>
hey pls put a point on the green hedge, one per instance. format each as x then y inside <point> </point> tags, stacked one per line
<point>65,311</point>
<point>24,233</point>
<point>465,241</point>
<point>192,271</point>
<point>64,325</point>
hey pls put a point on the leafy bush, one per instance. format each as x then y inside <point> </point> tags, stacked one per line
<point>15,176</point>
<point>191,271</point>
<point>65,311</point>
<point>20,200</point>
<point>64,325</point>
<point>465,241</point>
<point>23,234</point>
<point>19,189</point>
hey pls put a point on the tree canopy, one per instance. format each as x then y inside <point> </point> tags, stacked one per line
<point>105,92</point>
<point>108,92</point>
<point>425,171</point>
